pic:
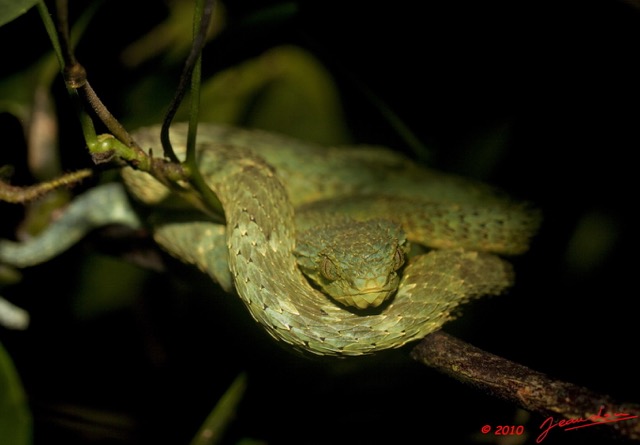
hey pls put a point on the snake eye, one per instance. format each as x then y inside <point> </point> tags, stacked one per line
<point>398,258</point>
<point>328,269</point>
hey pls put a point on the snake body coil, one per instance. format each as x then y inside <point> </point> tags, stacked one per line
<point>260,239</point>
<point>273,189</point>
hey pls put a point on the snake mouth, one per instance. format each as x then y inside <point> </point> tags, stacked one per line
<point>371,295</point>
<point>372,292</point>
<point>362,293</point>
<point>371,298</point>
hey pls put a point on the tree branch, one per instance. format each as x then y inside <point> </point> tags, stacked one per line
<point>531,390</point>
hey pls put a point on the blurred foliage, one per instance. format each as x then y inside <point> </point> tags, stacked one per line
<point>212,430</point>
<point>285,90</point>
<point>15,418</point>
<point>11,9</point>
<point>170,39</point>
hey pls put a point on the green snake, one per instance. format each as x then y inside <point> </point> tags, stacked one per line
<point>320,243</point>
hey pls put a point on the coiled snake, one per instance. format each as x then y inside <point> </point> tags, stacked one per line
<point>353,210</point>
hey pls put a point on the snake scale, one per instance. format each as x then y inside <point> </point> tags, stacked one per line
<point>281,197</point>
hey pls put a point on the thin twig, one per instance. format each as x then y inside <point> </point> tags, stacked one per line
<point>16,194</point>
<point>114,126</point>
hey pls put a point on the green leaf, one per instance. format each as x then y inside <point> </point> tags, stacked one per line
<point>220,417</point>
<point>15,418</point>
<point>11,9</point>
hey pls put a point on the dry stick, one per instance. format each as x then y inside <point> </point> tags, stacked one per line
<point>531,390</point>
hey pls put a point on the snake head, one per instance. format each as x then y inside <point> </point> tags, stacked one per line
<point>354,262</point>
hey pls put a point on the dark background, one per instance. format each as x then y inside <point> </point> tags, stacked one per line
<point>555,83</point>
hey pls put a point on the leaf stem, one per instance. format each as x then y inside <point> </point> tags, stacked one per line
<point>50,27</point>
<point>202,17</point>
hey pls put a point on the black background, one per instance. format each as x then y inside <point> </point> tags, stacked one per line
<point>557,80</point>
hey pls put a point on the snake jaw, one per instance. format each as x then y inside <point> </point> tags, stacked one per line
<point>367,300</point>
<point>372,292</point>
<point>364,291</point>
<point>359,293</point>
